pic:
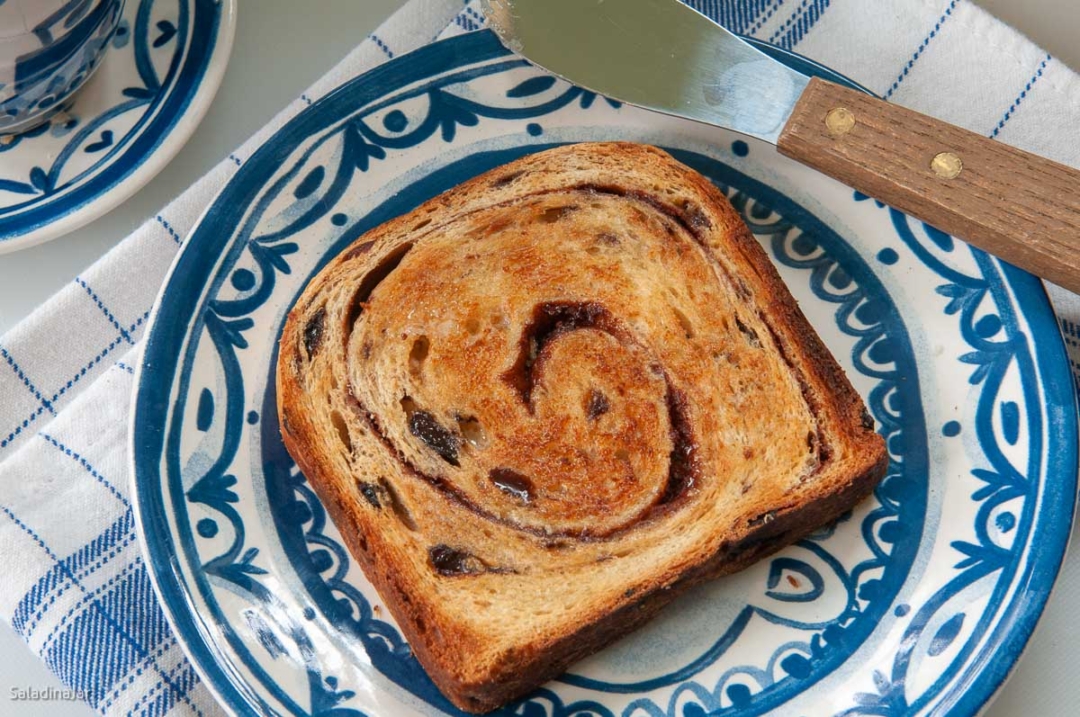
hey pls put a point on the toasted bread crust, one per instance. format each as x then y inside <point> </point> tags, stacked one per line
<point>340,379</point>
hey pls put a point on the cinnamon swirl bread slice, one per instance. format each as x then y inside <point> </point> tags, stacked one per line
<point>546,402</point>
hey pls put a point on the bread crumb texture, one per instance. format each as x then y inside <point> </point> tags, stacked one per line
<point>544,403</point>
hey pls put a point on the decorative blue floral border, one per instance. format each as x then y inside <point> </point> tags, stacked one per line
<point>162,102</point>
<point>225,324</point>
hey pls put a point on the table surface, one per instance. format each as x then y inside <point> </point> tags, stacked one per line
<point>1043,683</point>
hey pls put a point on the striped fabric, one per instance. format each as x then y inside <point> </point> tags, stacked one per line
<point>74,585</point>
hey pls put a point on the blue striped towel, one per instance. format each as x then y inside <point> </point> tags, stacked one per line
<point>74,585</point>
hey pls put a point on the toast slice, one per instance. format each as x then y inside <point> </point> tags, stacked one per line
<point>543,404</point>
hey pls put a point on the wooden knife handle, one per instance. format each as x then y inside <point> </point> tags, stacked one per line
<point>1019,207</point>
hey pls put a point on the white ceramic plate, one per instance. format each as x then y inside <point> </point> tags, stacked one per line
<point>918,602</point>
<point>151,91</point>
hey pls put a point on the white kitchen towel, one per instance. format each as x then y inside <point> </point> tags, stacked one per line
<point>74,585</point>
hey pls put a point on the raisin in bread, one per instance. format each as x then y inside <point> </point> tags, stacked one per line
<point>543,404</point>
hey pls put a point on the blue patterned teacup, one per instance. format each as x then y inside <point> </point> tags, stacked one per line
<point>48,50</point>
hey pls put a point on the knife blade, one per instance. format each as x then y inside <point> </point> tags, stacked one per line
<point>683,64</point>
<point>665,56</point>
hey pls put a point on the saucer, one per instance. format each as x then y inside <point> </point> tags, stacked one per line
<point>165,64</point>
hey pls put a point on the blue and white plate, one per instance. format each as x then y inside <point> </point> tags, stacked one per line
<point>143,103</point>
<point>918,602</point>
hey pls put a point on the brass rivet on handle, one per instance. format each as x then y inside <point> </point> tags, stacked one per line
<point>840,121</point>
<point>947,165</point>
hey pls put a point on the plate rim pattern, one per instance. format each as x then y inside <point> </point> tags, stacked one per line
<point>478,47</point>
<point>163,129</point>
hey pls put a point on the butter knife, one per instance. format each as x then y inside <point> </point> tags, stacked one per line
<point>665,56</point>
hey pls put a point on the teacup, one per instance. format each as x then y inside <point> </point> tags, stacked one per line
<point>48,50</point>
